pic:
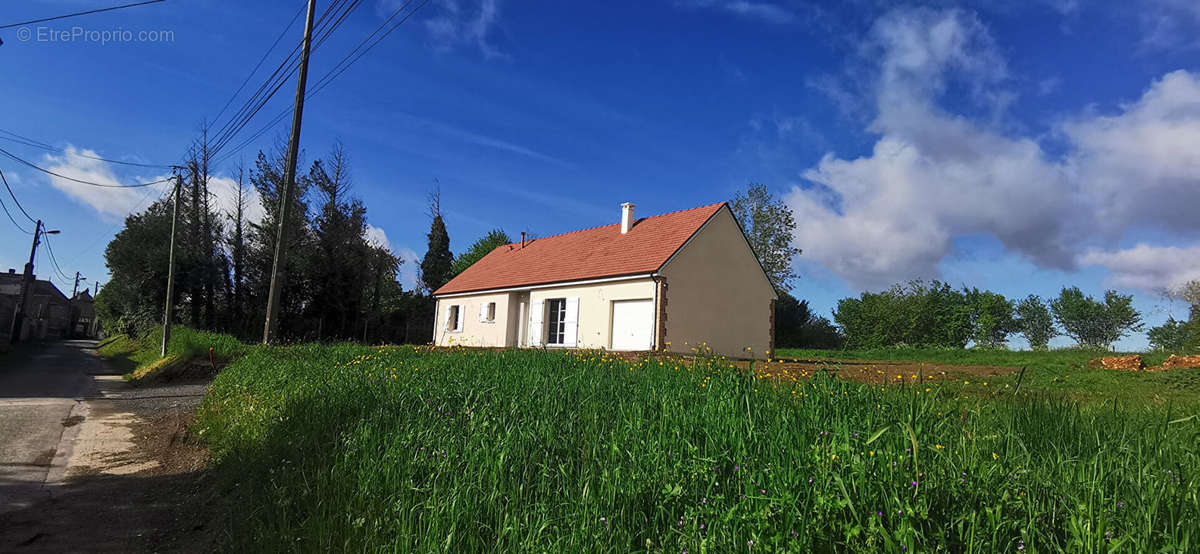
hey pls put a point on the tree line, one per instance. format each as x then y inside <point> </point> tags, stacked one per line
<point>935,314</point>
<point>336,283</point>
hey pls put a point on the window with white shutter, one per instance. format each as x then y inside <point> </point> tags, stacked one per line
<point>454,319</point>
<point>570,324</point>
<point>537,311</point>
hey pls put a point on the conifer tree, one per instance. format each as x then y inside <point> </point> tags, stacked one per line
<point>436,266</point>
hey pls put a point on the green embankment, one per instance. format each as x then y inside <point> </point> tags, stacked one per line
<point>139,358</point>
<point>404,449</point>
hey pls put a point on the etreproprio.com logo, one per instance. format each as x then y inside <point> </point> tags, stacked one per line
<point>93,36</point>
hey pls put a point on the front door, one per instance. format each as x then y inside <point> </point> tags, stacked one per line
<point>632,324</point>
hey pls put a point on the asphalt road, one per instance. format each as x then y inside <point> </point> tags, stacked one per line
<point>40,385</point>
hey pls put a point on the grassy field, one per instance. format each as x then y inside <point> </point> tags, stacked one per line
<point>1060,372</point>
<point>410,450</point>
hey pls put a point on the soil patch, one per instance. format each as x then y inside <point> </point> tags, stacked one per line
<point>889,372</point>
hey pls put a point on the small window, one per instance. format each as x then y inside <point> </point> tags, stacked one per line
<point>556,320</point>
<point>453,321</point>
<point>491,311</point>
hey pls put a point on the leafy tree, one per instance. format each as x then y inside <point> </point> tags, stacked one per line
<point>1171,336</point>
<point>132,301</point>
<point>769,224</point>
<point>1035,322</point>
<point>494,239</point>
<point>1093,323</point>
<point>797,327</point>
<point>916,314</point>
<point>436,266</point>
<point>991,317</point>
<point>1189,292</point>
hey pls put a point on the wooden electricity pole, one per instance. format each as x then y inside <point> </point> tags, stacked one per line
<point>169,310</point>
<point>271,325</point>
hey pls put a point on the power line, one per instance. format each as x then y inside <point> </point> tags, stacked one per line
<point>81,181</point>
<point>257,98</point>
<point>260,62</point>
<point>80,13</point>
<point>326,24</point>
<point>38,144</point>
<point>334,71</point>
<point>53,259</point>
<point>14,197</point>
<point>112,229</point>
<point>10,218</point>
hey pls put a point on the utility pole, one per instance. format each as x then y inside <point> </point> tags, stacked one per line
<point>19,318</point>
<point>75,290</point>
<point>169,310</point>
<point>74,293</point>
<point>271,325</point>
<point>26,284</point>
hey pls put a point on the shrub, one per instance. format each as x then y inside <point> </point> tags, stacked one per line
<point>917,314</point>
<point>1093,323</point>
<point>1033,320</point>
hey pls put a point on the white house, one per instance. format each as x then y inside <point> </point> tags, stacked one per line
<point>663,283</point>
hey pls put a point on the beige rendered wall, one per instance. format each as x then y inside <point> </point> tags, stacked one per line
<point>474,332</point>
<point>717,293</point>
<point>595,306</point>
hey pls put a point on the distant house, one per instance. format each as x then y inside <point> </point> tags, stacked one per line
<point>665,283</point>
<point>83,316</point>
<point>49,310</point>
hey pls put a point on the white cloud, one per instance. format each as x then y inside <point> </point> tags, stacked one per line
<point>934,175</point>
<point>761,11</point>
<point>409,268</point>
<point>455,26</point>
<point>224,201</point>
<point>376,237</point>
<point>409,261</point>
<point>1148,267</point>
<point>111,203</point>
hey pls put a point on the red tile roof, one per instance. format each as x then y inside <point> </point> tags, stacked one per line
<point>588,254</point>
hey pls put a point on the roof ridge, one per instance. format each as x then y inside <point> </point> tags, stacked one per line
<point>618,223</point>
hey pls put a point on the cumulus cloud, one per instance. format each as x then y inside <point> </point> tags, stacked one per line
<point>224,191</point>
<point>110,202</point>
<point>409,262</point>
<point>456,26</point>
<point>410,268</point>
<point>934,175</point>
<point>375,236</point>
<point>1148,267</point>
<point>114,204</point>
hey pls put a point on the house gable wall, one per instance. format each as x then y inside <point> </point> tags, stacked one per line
<point>717,293</point>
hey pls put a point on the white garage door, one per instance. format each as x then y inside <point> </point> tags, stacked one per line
<point>632,324</point>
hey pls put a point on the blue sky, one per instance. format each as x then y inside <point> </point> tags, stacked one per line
<point>1017,146</point>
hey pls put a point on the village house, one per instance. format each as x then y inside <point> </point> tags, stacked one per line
<point>49,314</point>
<point>671,282</point>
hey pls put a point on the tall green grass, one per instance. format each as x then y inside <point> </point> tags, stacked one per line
<point>406,450</point>
<point>141,359</point>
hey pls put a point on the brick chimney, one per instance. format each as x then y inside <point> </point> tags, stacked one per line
<point>626,217</point>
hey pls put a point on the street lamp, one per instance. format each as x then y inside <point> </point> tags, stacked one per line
<point>27,283</point>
